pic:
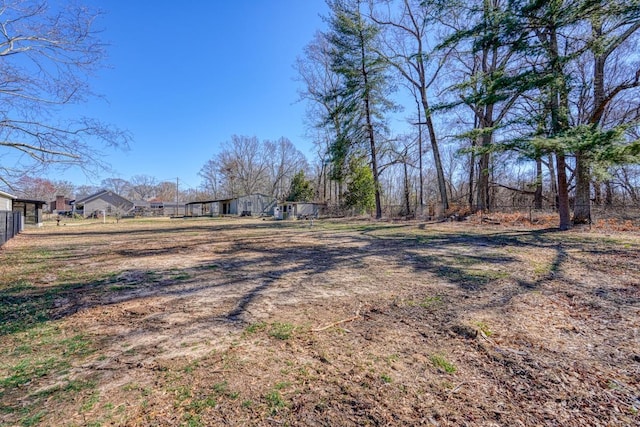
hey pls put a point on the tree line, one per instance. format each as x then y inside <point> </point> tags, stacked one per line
<point>537,98</point>
<point>246,165</point>
<point>243,165</point>
<point>429,106</point>
<point>137,188</point>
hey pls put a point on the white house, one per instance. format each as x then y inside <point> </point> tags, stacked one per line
<point>6,201</point>
<point>10,222</point>
<point>299,210</point>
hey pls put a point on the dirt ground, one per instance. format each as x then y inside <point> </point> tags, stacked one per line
<point>237,322</point>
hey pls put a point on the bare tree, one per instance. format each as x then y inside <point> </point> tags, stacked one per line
<point>47,52</point>
<point>241,168</point>
<point>35,188</point>
<point>285,160</point>
<point>166,191</point>
<point>83,191</point>
<point>117,185</point>
<point>403,154</point>
<point>211,179</point>
<point>143,187</point>
<point>407,51</point>
<point>627,178</point>
<point>244,163</point>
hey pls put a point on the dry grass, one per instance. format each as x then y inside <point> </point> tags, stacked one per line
<point>248,322</point>
<point>540,220</point>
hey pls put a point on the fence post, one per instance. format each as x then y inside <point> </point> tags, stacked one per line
<point>3,227</point>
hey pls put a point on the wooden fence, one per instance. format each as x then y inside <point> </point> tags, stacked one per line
<point>10,225</point>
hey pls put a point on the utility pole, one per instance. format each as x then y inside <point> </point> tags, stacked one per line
<point>177,211</point>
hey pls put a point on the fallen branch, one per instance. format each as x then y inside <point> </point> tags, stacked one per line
<point>500,349</point>
<point>491,221</point>
<point>331,325</point>
<point>455,389</point>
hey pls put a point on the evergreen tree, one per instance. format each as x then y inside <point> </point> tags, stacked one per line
<point>549,39</point>
<point>487,47</point>
<point>563,40</point>
<point>363,89</point>
<point>604,139</point>
<point>361,188</point>
<point>300,189</point>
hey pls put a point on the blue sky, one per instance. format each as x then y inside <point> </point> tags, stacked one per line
<point>185,76</point>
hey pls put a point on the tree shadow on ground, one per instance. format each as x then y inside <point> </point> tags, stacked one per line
<point>472,262</point>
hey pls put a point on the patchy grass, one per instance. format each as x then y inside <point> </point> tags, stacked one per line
<point>188,322</point>
<point>40,362</point>
<point>255,328</point>
<point>440,362</point>
<point>428,302</point>
<point>281,331</point>
<point>181,276</point>
<point>484,328</point>
<point>386,378</point>
<point>275,402</point>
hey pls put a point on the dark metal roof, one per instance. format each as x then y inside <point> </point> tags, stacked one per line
<point>35,202</point>
<point>102,193</point>
<point>200,202</point>
<point>227,199</point>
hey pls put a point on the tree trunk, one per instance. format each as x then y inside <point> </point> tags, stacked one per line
<point>376,178</point>
<point>554,182</point>
<point>597,193</point>
<point>421,181</point>
<point>582,207</point>
<point>442,186</point>
<point>537,197</point>
<point>483,197</point>
<point>608,193</point>
<point>559,102</point>
<point>472,170</point>
<point>324,182</point>
<point>406,189</point>
<point>563,194</point>
<point>369,124</point>
<point>485,123</point>
<point>629,186</point>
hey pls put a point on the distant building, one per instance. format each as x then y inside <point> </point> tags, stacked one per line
<point>156,207</point>
<point>173,209</point>
<point>250,205</point>
<point>6,201</point>
<point>10,222</point>
<point>31,211</point>
<point>15,213</point>
<point>61,204</point>
<point>104,201</point>
<point>299,210</point>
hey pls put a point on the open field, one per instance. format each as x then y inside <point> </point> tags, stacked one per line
<point>241,322</point>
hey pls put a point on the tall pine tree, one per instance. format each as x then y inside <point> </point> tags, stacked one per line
<point>362,94</point>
